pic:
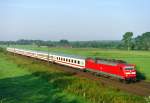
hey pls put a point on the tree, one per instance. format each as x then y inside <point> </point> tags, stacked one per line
<point>143,42</point>
<point>146,40</point>
<point>127,39</point>
<point>138,43</point>
<point>64,42</point>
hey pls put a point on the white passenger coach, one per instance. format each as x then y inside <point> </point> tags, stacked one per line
<point>63,59</point>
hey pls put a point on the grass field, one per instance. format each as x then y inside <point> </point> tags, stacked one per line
<point>140,58</point>
<point>24,80</point>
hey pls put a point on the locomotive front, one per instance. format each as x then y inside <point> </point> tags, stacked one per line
<point>129,72</point>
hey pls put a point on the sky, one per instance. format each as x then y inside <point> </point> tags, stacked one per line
<point>75,20</point>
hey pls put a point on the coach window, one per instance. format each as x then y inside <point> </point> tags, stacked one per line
<point>69,60</point>
<point>74,61</point>
<point>78,62</point>
<point>61,59</point>
<point>66,60</point>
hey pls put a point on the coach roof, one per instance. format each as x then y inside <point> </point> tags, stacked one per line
<point>55,53</point>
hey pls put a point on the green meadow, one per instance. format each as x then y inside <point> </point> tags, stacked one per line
<point>24,80</point>
<point>140,58</point>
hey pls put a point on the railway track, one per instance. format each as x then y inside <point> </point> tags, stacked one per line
<point>141,88</point>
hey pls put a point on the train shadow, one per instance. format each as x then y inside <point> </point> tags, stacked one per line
<point>39,87</point>
<point>140,76</point>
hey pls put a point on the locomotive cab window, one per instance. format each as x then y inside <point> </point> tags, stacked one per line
<point>129,68</point>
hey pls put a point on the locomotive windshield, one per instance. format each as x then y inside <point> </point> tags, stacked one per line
<point>129,68</point>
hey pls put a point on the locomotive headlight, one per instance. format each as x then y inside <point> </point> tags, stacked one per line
<point>127,72</point>
<point>133,72</point>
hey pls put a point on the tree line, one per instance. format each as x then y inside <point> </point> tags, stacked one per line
<point>65,43</point>
<point>141,42</point>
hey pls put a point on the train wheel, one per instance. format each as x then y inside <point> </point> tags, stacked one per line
<point>84,70</point>
<point>127,81</point>
<point>134,80</point>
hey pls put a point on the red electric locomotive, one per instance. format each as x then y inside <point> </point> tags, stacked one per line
<point>114,68</point>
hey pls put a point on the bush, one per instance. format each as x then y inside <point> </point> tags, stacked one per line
<point>2,49</point>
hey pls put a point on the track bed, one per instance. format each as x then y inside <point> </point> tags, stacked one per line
<point>141,88</point>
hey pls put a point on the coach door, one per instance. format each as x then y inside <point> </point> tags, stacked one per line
<point>51,58</point>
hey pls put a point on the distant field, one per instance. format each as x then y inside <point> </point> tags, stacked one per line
<point>140,58</point>
<point>23,80</point>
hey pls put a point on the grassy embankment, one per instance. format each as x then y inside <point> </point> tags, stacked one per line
<point>140,58</point>
<point>24,80</point>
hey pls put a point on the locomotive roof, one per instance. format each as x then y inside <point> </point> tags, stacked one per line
<point>109,61</point>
